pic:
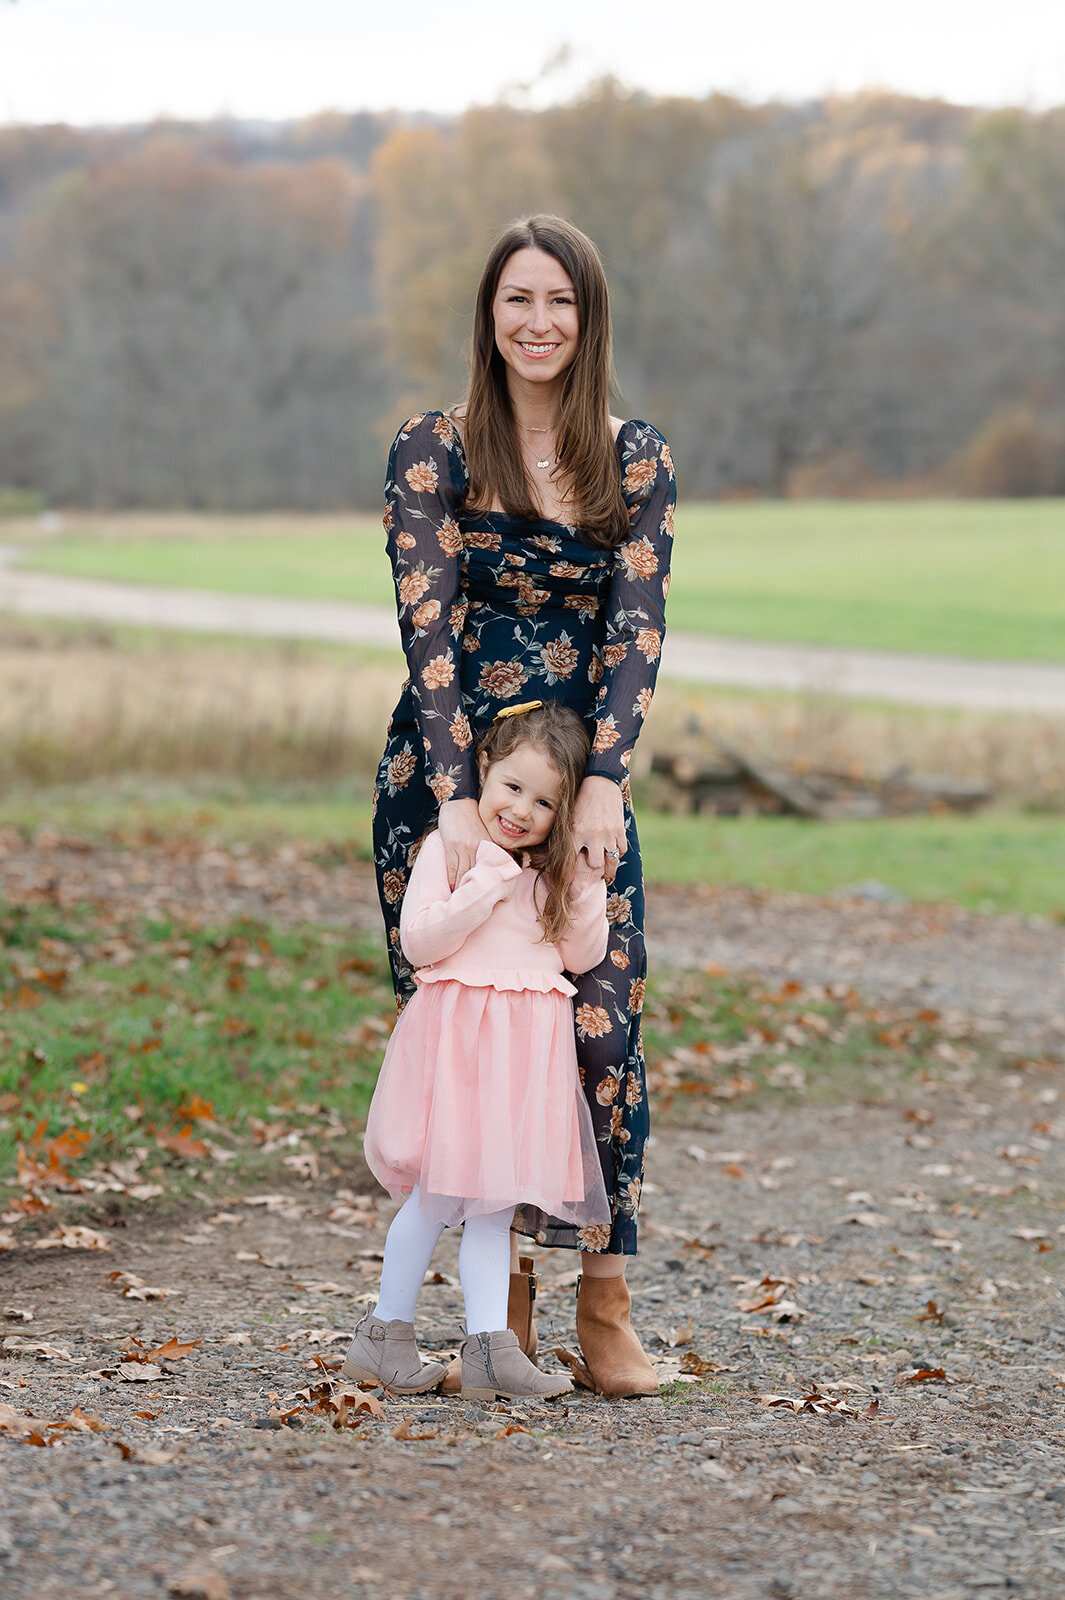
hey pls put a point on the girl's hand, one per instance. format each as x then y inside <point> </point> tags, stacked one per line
<point>462,831</point>
<point>599,825</point>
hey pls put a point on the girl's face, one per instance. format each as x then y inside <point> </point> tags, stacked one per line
<point>535,310</point>
<point>519,798</point>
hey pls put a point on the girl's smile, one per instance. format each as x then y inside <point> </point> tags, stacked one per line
<point>519,799</point>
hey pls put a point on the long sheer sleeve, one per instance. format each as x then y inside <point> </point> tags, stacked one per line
<point>635,623</point>
<point>424,489</point>
<point>435,922</point>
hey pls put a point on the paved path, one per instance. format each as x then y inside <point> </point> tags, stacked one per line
<point>866,674</point>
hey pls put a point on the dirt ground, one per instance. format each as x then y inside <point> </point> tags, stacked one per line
<point>856,1313</point>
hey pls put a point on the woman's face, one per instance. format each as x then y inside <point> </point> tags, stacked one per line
<point>536,323</point>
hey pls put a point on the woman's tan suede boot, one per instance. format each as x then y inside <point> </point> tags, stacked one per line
<point>612,1352</point>
<point>387,1352</point>
<point>520,1302</point>
<point>494,1367</point>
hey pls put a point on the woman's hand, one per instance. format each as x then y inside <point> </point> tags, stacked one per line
<point>599,825</point>
<point>462,831</point>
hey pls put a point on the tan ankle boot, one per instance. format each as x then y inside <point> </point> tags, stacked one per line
<point>520,1303</point>
<point>615,1359</point>
<point>387,1352</point>
<point>494,1367</point>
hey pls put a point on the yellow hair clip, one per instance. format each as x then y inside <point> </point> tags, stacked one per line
<point>516,711</point>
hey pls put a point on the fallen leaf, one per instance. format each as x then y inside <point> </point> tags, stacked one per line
<point>73,1238</point>
<point>403,1431</point>
<point>931,1313</point>
<point>926,1375</point>
<point>48,1352</point>
<point>200,1583</point>
<point>698,1366</point>
<point>138,1372</point>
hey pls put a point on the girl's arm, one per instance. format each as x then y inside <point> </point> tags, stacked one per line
<point>585,943</point>
<point>424,488</point>
<point>636,623</point>
<point>435,921</point>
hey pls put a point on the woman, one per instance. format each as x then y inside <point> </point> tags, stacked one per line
<point>530,534</point>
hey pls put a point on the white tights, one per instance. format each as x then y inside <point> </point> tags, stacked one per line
<point>484,1265</point>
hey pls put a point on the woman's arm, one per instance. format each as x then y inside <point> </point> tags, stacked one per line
<point>636,622</point>
<point>435,921</point>
<point>636,626</point>
<point>423,490</point>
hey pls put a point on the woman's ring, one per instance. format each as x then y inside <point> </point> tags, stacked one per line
<point>615,853</point>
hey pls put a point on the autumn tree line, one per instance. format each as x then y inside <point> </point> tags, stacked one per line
<point>853,296</point>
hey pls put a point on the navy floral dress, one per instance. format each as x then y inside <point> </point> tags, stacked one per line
<point>497,609</point>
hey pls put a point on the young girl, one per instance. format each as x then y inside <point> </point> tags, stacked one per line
<point>478,1105</point>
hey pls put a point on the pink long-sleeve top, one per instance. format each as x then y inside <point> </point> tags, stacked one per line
<point>485,932</point>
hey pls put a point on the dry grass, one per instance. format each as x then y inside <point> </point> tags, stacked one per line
<point>85,703</point>
<point>86,706</point>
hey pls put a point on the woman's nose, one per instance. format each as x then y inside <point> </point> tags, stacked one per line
<point>539,318</point>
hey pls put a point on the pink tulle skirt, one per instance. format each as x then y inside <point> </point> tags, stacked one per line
<point>479,1103</point>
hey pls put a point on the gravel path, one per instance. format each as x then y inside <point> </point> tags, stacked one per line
<point>954,1490</point>
<point>692,658</point>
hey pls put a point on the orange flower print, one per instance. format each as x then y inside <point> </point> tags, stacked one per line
<point>618,910</point>
<point>406,541</point>
<point>501,679</point>
<point>636,994</point>
<point>586,604</point>
<point>667,521</point>
<point>401,769</point>
<point>614,654</point>
<point>593,1022</point>
<point>373,805</point>
<point>626,783</point>
<point>458,619</point>
<point>643,703</point>
<point>594,1236</point>
<point>595,669</point>
<point>450,536</point>
<point>617,1125</point>
<point>439,671</point>
<point>387,520</point>
<point>631,1203</point>
<point>422,477</point>
<point>460,731</point>
<point>665,585</point>
<point>666,458</point>
<point>620,958</point>
<point>392,886</point>
<point>482,539</point>
<point>559,657</point>
<point>607,1091</point>
<point>639,556</point>
<point>412,587</point>
<point>633,1091</point>
<point>606,734</point>
<point>444,431</point>
<point>412,422</point>
<point>514,561</point>
<point>414,852</point>
<point>565,569</point>
<point>471,643</point>
<point>649,643</point>
<point>427,612</point>
<point>641,475</point>
<point>443,786</point>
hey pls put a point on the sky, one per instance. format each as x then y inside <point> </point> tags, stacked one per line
<point>113,61</point>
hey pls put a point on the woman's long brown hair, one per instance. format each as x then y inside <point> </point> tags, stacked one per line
<point>585,450</point>
<point>561,737</point>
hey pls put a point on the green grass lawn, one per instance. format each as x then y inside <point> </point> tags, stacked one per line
<point>186,1051</point>
<point>964,577</point>
<point>992,861</point>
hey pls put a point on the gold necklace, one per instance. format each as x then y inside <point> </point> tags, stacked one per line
<point>526,429</point>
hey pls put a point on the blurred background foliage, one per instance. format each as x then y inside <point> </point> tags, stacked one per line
<point>856,297</point>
